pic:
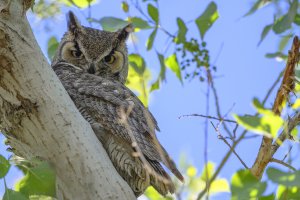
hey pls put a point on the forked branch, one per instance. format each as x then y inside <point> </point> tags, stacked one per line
<point>267,150</point>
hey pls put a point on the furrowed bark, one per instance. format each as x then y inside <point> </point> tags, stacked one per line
<point>40,120</point>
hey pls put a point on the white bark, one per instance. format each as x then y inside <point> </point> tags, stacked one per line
<point>41,120</point>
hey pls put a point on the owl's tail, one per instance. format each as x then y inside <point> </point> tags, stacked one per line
<point>162,183</point>
<point>167,160</point>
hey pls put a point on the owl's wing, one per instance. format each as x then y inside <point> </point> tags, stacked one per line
<point>120,96</point>
<point>118,110</point>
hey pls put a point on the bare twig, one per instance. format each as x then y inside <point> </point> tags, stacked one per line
<point>235,130</point>
<point>283,163</point>
<point>229,111</point>
<point>220,136</point>
<point>89,12</point>
<point>219,53</point>
<point>138,7</point>
<point>132,34</point>
<point>228,154</point>
<point>208,117</point>
<point>292,123</point>
<point>221,165</point>
<point>251,136</point>
<point>286,155</point>
<point>218,106</point>
<point>272,87</point>
<point>206,134</point>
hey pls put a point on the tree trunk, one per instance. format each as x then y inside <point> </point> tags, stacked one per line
<point>40,120</point>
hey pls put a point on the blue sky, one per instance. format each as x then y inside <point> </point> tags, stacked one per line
<point>243,72</point>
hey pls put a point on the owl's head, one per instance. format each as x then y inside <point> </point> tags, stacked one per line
<point>97,52</point>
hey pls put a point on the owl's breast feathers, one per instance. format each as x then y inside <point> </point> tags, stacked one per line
<point>118,110</point>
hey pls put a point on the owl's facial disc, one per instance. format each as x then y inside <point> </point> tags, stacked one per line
<point>114,61</point>
<point>71,53</point>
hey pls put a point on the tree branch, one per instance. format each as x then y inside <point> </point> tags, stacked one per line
<point>218,109</point>
<point>267,150</point>
<point>40,120</point>
<point>221,137</point>
<point>209,117</point>
<point>283,163</point>
<point>292,123</point>
<point>228,154</point>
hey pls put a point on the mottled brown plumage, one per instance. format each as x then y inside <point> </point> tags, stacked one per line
<point>123,125</point>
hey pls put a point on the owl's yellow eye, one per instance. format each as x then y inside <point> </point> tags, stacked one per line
<point>114,61</point>
<point>110,59</point>
<point>76,53</point>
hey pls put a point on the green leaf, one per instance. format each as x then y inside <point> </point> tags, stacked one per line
<point>171,62</point>
<point>294,133</point>
<point>41,197</point>
<point>268,124</point>
<point>4,166</point>
<point>139,23</point>
<point>258,4</point>
<point>260,108</point>
<point>13,195</point>
<point>162,73</point>
<point>47,9</point>
<point>268,197</point>
<point>79,3</point>
<point>195,185</point>
<point>138,77</point>
<point>39,180</point>
<point>155,85</point>
<point>297,19</point>
<point>251,123</point>
<point>52,47</point>
<point>287,193</point>
<point>277,55</point>
<point>284,41</point>
<point>282,24</point>
<point>296,105</point>
<point>219,185</point>
<point>284,178</point>
<point>208,171</point>
<point>125,6</point>
<point>265,32</point>
<point>152,194</point>
<point>182,30</point>
<point>151,39</point>
<point>245,186</point>
<point>153,12</point>
<point>208,17</point>
<point>112,23</point>
<point>137,62</point>
<point>285,21</point>
<point>191,171</point>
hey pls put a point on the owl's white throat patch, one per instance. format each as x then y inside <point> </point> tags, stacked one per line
<point>75,67</point>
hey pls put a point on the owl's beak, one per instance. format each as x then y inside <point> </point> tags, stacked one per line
<point>91,69</point>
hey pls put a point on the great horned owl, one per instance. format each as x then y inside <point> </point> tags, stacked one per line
<point>92,65</point>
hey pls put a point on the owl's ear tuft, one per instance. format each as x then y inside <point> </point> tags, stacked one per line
<point>124,32</point>
<point>73,23</point>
